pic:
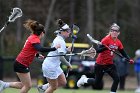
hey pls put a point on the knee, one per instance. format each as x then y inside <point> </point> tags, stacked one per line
<point>28,86</point>
<point>20,85</point>
<point>62,83</point>
<point>54,87</point>
<point>117,80</point>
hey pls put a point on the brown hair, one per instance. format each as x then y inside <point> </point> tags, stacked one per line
<point>34,26</point>
<point>60,23</point>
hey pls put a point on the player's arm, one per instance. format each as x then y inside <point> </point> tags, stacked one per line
<point>131,61</point>
<point>101,48</point>
<point>38,47</point>
<point>122,51</point>
<point>63,59</point>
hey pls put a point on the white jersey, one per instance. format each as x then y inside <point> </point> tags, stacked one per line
<point>51,65</point>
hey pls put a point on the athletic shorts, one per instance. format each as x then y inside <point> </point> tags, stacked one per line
<point>52,73</point>
<point>18,67</point>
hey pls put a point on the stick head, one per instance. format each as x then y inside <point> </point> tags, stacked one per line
<point>90,52</point>
<point>17,12</point>
<point>93,40</point>
<point>75,31</point>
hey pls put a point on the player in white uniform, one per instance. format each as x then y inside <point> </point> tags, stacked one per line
<point>51,65</point>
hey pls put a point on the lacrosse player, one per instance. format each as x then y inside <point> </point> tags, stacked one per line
<point>26,56</point>
<point>104,61</point>
<point>51,65</point>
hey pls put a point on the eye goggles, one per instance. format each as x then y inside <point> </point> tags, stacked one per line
<point>114,30</point>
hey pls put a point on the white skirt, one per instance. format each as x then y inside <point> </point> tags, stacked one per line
<point>52,73</point>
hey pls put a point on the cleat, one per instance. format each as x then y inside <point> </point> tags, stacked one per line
<point>81,81</point>
<point>40,89</point>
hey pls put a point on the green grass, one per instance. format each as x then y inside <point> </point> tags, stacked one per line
<point>34,90</point>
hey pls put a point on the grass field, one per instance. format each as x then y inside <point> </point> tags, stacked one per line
<point>34,90</point>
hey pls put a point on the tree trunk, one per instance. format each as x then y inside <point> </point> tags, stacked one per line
<point>19,2</point>
<point>72,8</point>
<point>48,20</point>
<point>90,20</point>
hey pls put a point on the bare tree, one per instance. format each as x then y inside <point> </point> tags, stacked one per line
<point>72,8</point>
<point>90,16</point>
<point>48,19</point>
<point>19,2</point>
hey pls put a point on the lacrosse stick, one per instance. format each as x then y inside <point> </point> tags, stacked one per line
<point>90,53</point>
<point>99,43</point>
<point>75,30</point>
<point>17,12</point>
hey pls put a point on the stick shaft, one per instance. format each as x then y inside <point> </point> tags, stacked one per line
<point>72,48</point>
<point>116,52</point>
<point>66,55</point>
<point>5,25</point>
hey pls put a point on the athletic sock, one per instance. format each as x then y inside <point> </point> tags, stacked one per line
<point>6,84</point>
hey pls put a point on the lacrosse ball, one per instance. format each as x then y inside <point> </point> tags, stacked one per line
<point>74,32</point>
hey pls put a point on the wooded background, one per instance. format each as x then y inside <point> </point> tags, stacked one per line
<point>92,16</point>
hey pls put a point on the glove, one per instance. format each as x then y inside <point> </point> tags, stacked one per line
<point>40,56</point>
<point>131,61</point>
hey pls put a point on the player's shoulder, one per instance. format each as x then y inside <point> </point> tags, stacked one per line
<point>58,39</point>
<point>106,38</point>
<point>33,36</point>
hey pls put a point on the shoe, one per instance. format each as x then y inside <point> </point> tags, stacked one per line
<point>40,89</point>
<point>81,81</point>
<point>2,84</point>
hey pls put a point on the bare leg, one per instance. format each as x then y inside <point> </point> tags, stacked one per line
<point>4,85</point>
<point>17,85</point>
<point>53,85</point>
<point>26,81</point>
<point>62,80</point>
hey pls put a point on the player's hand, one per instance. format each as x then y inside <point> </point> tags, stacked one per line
<point>69,67</point>
<point>131,61</point>
<point>57,46</point>
<point>40,56</point>
<point>69,49</point>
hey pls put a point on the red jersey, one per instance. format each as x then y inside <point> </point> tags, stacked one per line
<point>28,52</point>
<point>106,57</point>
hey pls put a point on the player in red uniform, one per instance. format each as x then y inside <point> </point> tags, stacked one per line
<point>26,56</point>
<point>104,61</point>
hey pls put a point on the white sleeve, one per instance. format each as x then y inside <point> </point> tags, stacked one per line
<point>62,49</point>
<point>64,61</point>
